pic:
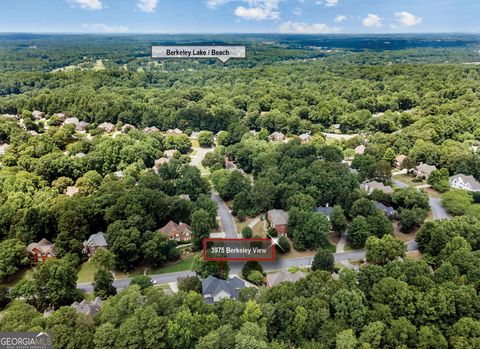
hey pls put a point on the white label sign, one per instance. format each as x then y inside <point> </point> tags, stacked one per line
<point>223,53</point>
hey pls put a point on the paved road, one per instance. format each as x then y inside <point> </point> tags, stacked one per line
<point>438,210</point>
<point>226,219</point>
<point>199,155</point>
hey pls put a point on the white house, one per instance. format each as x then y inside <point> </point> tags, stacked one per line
<point>468,183</point>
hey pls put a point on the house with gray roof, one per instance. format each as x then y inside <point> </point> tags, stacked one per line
<point>326,211</point>
<point>94,242</point>
<point>424,170</point>
<point>463,182</point>
<point>284,276</point>
<point>88,308</point>
<point>369,187</point>
<point>215,289</point>
<point>279,221</point>
<point>387,210</point>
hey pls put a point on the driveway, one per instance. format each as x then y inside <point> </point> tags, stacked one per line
<point>200,155</point>
<point>226,219</point>
<point>438,210</point>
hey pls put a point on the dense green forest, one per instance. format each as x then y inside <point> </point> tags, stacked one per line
<point>416,96</point>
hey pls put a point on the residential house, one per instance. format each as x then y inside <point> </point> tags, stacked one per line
<point>369,187</point>
<point>94,242</point>
<point>179,232</point>
<point>279,221</point>
<point>461,181</point>
<point>3,149</point>
<point>283,276</point>
<point>424,170</point>
<point>152,129</point>
<point>326,211</point>
<point>60,116</point>
<point>107,127</point>
<point>118,174</point>
<point>305,138</point>
<point>387,210</point>
<point>38,115</point>
<point>276,137</point>
<point>71,121</point>
<point>71,191</point>
<point>169,153</point>
<point>88,308</point>
<point>41,251</point>
<point>82,126</point>
<point>160,162</point>
<point>176,131</point>
<point>360,150</point>
<point>194,135</point>
<point>127,127</point>
<point>214,289</point>
<point>399,159</point>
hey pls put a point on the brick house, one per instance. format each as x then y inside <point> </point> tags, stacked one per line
<point>279,221</point>
<point>178,232</point>
<point>41,251</point>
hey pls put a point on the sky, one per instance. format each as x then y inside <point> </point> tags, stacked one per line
<point>240,16</point>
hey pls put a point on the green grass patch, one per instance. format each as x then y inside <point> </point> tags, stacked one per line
<point>20,275</point>
<point>183,265</point>
<point>409,180</point>
<point>86,272</point>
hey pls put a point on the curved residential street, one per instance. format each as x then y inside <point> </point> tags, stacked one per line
<point>228,226</point>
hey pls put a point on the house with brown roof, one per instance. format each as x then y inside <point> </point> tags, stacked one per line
<point>160,162</point>
<point>424,170</point>
<point>175,131</point>
<point>41,251</point>
<point>276,137</point>
<point>360,150</point>
<point>279,221</point>
<point>94,242</point>
<point>399,159</point>
<point>152,129</point>
<point>106,126</point>
<point>178,232</point>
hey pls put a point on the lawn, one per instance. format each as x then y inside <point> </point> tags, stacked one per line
<point>258,229</point>
<point>22,274</point>
<point>183,265</point>
<point>85,274</point>
<point>409,180</point>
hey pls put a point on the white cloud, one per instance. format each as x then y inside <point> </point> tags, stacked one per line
<point>407,19</point>
<point>304,28</point>
<point>89,4</point>
<point>340,19</point>
<point>104,28</point>
<point>372,20</point>
<point>255,13</point>
<point>297,11</point>
<point>259,10</point>
<point>216,3</point>
<point>253,9</point>
<point>147,5</point>
<point>331,3</point>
